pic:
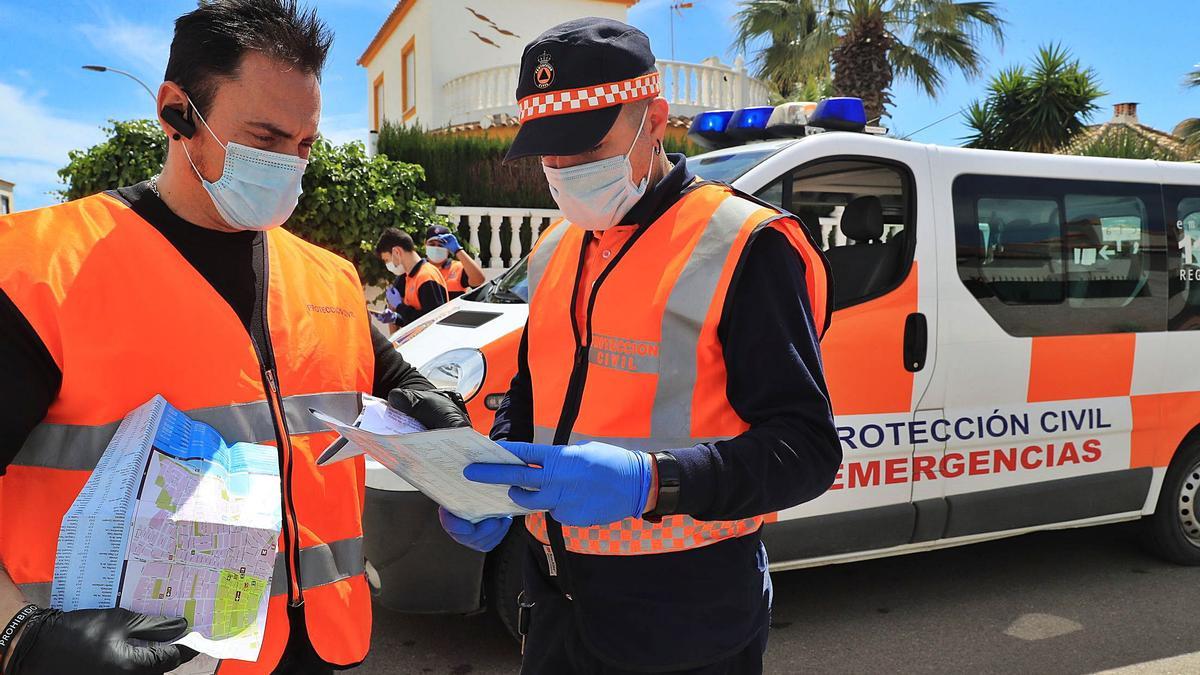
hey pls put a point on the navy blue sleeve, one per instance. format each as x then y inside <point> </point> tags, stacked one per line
<point>776,383</point>
<point>514,417</point>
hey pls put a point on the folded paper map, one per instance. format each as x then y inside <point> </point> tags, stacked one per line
<point>174,522</point>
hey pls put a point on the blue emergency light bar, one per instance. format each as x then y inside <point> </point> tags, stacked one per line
<point>708,128</point>
<point>748,124</point>
<point>723,128</point>
<point>839,114</point>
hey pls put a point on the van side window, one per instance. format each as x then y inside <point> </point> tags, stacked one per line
<point>1183,213</point>
<point>859,210</point>
<point>1061,257</point>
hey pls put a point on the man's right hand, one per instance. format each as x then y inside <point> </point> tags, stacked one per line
<point>97,641</point>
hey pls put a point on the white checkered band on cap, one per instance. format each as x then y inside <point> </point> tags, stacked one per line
<point>593,97</point>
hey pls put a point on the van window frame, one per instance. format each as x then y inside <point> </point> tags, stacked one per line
<point>908,189</point>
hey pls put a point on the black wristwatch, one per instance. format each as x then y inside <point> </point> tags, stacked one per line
<point>668,487</point>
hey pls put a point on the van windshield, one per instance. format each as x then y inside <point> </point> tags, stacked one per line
<point>727,166</point>
<point>512,287</point>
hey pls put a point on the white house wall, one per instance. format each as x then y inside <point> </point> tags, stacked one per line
<point>446,49</point>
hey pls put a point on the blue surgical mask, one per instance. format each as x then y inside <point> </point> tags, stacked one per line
<point>597,195</point>
<point>258,189</point>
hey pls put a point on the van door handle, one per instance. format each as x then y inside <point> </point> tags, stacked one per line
<point>916,342</point>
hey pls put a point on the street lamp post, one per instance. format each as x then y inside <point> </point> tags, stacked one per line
<point>106,69</point>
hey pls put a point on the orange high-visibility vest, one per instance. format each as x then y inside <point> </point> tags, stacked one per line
<point>424,272</point>
<point>452,272</point>
<point>94,280</point>
<point>655,370</point>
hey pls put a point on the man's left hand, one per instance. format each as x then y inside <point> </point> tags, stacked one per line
<point>435,408</point>
<point>581,485</point>
<point>450,242</point>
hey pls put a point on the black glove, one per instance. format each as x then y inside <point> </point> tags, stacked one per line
<point>97,641</point>
<point>436,408</point>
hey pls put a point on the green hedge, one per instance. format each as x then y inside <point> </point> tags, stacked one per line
<point>469,170</point>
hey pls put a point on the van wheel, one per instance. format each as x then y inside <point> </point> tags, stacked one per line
<point>504,580</point>
<point>1173,532</point>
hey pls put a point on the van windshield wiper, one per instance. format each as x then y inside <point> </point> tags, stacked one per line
<point>506,296</point>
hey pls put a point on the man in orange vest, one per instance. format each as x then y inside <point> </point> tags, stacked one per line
<point>458,268</point>
<point>669,390</point>
<point>277,326</point>
<point>418,288</point>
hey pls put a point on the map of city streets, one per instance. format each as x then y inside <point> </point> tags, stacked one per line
<point>173,522</point>
<point>187,564</point>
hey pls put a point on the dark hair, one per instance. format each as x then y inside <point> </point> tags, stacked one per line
<point>210,42</point>
<point>393,237</point>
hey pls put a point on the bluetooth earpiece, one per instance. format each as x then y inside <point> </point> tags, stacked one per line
<point>181,125</point>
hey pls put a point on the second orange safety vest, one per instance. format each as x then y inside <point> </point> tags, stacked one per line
<point>654,366</point>
<point>424,272</point>
<point>93,279</point>
<point>452,272</point>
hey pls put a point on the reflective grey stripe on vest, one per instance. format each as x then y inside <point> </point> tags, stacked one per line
<point>322,564</point>
<point>319,565</point>
<point>38,594</point>
<point>684,315</point>
<point>540,258</point>
<point>79,447</point>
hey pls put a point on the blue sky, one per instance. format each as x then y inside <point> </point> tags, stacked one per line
<point>49,105</point>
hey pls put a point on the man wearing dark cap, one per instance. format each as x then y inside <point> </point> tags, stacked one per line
<point>458,268</point>
<point>669,390</point>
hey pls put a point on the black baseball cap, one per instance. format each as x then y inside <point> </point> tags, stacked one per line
<point>574,79</point>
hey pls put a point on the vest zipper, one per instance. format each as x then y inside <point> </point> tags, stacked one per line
<point>266,360</point>
<point>290,526</point>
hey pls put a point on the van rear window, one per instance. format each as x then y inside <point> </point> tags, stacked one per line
<point>1062,257</point>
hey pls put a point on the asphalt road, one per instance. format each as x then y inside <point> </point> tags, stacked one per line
<point>1074,601</point>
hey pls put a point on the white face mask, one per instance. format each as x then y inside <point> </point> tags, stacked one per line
<point>596,195</point>
<point>258,189</point>
<point>394,268</point>
<point>437,254</point>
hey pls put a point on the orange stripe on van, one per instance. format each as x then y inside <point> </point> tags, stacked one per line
<point>1067,367</point>
<point>1160,422</point>
<point>863,353</point>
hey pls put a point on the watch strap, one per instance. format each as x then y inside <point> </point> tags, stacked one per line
<point>668,486</point>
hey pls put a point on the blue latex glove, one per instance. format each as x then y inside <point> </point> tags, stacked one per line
<point>581,485</point>
<point>482,536</point>
<point>387,317</point>
<point>394,299</point>
<point>450,242</point>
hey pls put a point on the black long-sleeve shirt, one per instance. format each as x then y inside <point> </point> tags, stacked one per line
<point>707,601</point>
<point>225,260</point>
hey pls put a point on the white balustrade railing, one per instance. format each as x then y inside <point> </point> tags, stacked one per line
<point>486,228</point>
<point>690,88</point>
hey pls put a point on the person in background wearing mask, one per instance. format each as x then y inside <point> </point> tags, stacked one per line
<point>669,390</point>
<point>458,268</point>
<point>279,328</point>
<point>419,288</point>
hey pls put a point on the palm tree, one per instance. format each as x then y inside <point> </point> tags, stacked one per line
<point>1039,110</point>
<point>866,43</point>
<point>1190,128</point>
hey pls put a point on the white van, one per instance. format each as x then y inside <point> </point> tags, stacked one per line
<point>1013,348</point>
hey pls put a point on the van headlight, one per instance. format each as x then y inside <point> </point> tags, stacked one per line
<point>462,370</point>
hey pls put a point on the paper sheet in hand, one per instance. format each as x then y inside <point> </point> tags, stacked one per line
<point>174,522</point>
<point>432,461</point>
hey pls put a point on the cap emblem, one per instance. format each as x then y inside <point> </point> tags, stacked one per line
<point>543,74</point>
